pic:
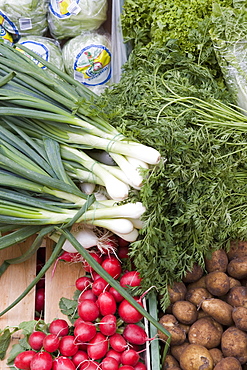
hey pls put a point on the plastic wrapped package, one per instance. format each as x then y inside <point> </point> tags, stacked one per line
<point>87,58</point>
<point>30,16</point>
<point>9,33</point>
<point>69,18</point>
<point>46,48</point>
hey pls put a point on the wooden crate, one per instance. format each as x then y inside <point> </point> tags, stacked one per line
<point>17,277</point>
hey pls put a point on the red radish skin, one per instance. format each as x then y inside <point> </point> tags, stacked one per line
<point>97,347</point>
<point>59,327</point>
<point>23,360</point>
<point>128,313</point>
<point>88,310</point>
<point>67,346</point>
<point>84,332</point>
<point>123,252</point>
<point>130,278</point>
<point>78,321</point>
<point>118,343</point>
<point>63,363</point>
<point>99,286</point>
<point>51,343</point>
<point>36,339</point>
<point>114,354</point>
<point>83,283</point>
<point>79,358</point>
<point>127,367</point>
<point>40,300</point>
<point>134,334</point>
<point>113,266</point>
<point>90,365</point>
<point>88,294</point>
<point>95,276</point>
<point>108,325</point>
<point>97,258</point>
<point>41,361</point>
<point>140,366</point>
<point>130,357</point>
<point>116,295</point>
<point>109,363</point>
<point>107,304</point>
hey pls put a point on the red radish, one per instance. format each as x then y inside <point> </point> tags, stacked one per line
<point>97,347</point>
<point>135,334</point>
<point>83,283</point>
<point>107,304</point>
<point>51,343</point>
<point>67,257</point>
<point>123,252</point>
<point>63,363</point>
<point>108,325</point>
<point>67,346</point>
<point>112,266</point>
<point>23,359</point>
<point>130,278</point>
<point>117,342</point>
<point>36,339</point>
<point>116,294</point>
<point>90,365</point>
<point>88,310</point>
<point>127,367</point>
<point>78,321</point>
<point>40,283</point>
<point>122,242</point>
<point>88,294</point>
<point>95,276</point>
<point>41,361</point>
<point>59,327</point>
<point>79,358</point>
<point>40,299</point>
<point>128,313</point>
<point>130,357</point>
<point>109,363</point>
<point>140,366</point>
<point>84,332</point>
<point>114,354</point>
<point>97,258</point>
<point>99,286</point>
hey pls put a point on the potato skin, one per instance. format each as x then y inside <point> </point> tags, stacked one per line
<point>196,357</point>
<point>234,344</point>
<point>217,262</point>
<point>217,283</point>
<point>197,284</point>
<point>216,354</point>
<point>177,350</point>
<point>221,311</point>
<point>194,274</point>
<point>206,332</point>
<point>237,268</point>
<point>234,282</point>
<point>197,295</point>
<point>170,363</point>
<point>239,315</point>
<point>237,296</point>
<point>171,324</point>
<point>185,312</point>
<point>228,363</point>
<point>177,292</point>
<point>237,249</point>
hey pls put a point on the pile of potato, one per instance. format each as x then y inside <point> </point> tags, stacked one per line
<point>207,317</point>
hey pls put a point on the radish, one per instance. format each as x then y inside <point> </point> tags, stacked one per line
<point>40,300</point>
<point>112,266</point>
<point>97,347</point>
<point>59,327</point>
<point>127,367</point>
<point>23,359</point>
<point>84,332</point>
<point>134,334</point>
<point>67,346</point>
<point>90,365</point>
<point>83,283</point>
<point>51,343</point>
<point>128,313</point>
<point>107,304</point>
<point>95,276</point>
<point>116,294</point>
<point>108,325</point>
<point>63,363</point>
<point>67,257</point>
<point>41,361</point>
<point>123,252</point>
<point>140,366</point>
<point>88,294</point>
<point>36,339</point>
<point>117,342</point>
<point>99,286</point>
<point>78,321</point>
<point>130,278</point>
<point>114,354</point>
<point>109,363</point>
<point>79,358</point>
<point>130,357</point>
<point>97,258</point>
<point>88,310</point>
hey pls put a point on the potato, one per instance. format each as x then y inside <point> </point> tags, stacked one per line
<point>217,283</point>
<point>234,282</point>
<point>196,357</point>
<point>202,314</point>
<point>237,296</point>
<point>194,274</point>
<point>185,327</point>
<point>177,350</point>
<point>206,332</point>
<point>234,344</point>
<point>197,295</point>
<point>228,363</point>
<point>237,268</point>
<point>197,284</point>
<point>217,262</point>
<point>221,311</point>
<point>237,249</point>
<point>216,354</point>
<point>170,363</point>
<point>239,315</point>
<point>171,324</point>
<point>177,292</point>
<point>185,312</point>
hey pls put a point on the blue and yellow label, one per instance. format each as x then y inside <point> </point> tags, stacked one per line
<point>38,48</point>
<point>9,31</point>
<point>64,8</point>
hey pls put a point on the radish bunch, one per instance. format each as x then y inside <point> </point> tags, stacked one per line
<point>107,332</point>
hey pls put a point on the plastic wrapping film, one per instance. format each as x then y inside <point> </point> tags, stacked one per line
<point>87,58</point>
<point>47,48</point>
<point>69,18</point>
<point>29,16</point>
<point>9,31</point>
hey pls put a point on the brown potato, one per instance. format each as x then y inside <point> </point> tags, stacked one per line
<point>194,274</point>
<point>185,327</point>
<point>234,344</point>
<point>237,268</point>
<point>202,314</point>
<point>221,311</point>
<point>228,363</point>
<point>239,315</point>
<point>171,324</point>
<point>177,292</point>
<point>234,282</point>
<point>196,357</point>
<point>206,332</point>
<point>237,296</point>
<point>217,262</point>
<point>197,295</point>
<point>216,354</point>
<point>177,350</point>
<point>185,312</point>
<point>197,284</point>
<point>170,363</point>
<point>217,283</point>
<point>237,249</point>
